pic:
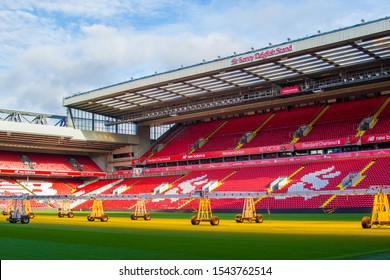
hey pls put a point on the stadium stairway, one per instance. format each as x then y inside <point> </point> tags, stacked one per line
<point>71,188</point>
<point>287,183</point>
<point>361,173</point>
<point>130,185</point>
<point>256,131</point>
<point>185,203</point>
<point>20,184</point>
<point>328,201</point>
<point>375,116</point>
<point>208,136</point>
<point>225,178</point>
<point>340,185</point>
<point>219,184</point>
<point>311,124</point>
<point>174,182</point>
<point>289,178</point>
<point>169,140</point>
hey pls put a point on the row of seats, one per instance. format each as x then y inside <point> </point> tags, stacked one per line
<point>46,186</point>
<point>282,126</point>
<point>323,175</point>
<point>383,124</point>
<point>313,176</point>
<point>228,136</point>
<point>342,120</point>
<point>47,162</point>
<point>169,135</point>
<point>337,120</point>
<point>181,143</point>
<point>310,176</point>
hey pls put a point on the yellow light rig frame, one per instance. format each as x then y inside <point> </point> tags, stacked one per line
<point>205,213</point>
<point>140,211</point>
<point>27,208</point>
<point>65,209</point>
<point>249,212</point>
<point>97,212</point>
<point>380,212</point>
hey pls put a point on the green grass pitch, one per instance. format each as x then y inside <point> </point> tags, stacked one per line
<point>171,236</point>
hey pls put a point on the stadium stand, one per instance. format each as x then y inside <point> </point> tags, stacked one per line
<point>277,127</point>
<point>334,121</point>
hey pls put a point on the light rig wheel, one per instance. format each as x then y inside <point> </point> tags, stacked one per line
<point>133,217</point>
<point>61,214</point>
<point>70,214</point>
<point>259,218</point>
<point>104,218</point>
<point>31,215</point>
<point>195,221</point>
<point>214,221</point>
<point>90,218</point>
<point>366,222</point>
<point>25,219</point>
<point>147,217</point>
<point>239,218</point>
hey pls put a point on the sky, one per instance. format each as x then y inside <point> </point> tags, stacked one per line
<point>51,49</point>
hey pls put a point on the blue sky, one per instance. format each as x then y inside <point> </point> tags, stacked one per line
<point>50,49</point>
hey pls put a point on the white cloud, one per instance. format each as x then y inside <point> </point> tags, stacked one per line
<point>50,49</point>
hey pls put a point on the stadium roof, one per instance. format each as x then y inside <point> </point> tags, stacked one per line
<point>257,70</point>
<point>22,136</point>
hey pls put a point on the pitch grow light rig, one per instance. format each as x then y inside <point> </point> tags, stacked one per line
<point>379,217</point>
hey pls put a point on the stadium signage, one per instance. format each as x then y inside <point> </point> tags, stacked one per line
<point>270,161</point>
<point>261,55</point>
<point>376,138</point>
<point>52,173</point>
<point>272,149</point>
<point>193,156</point>
<point>289,90</point>
<point>233,153</point>
<point>321,144</point>
<point>162,159</point>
